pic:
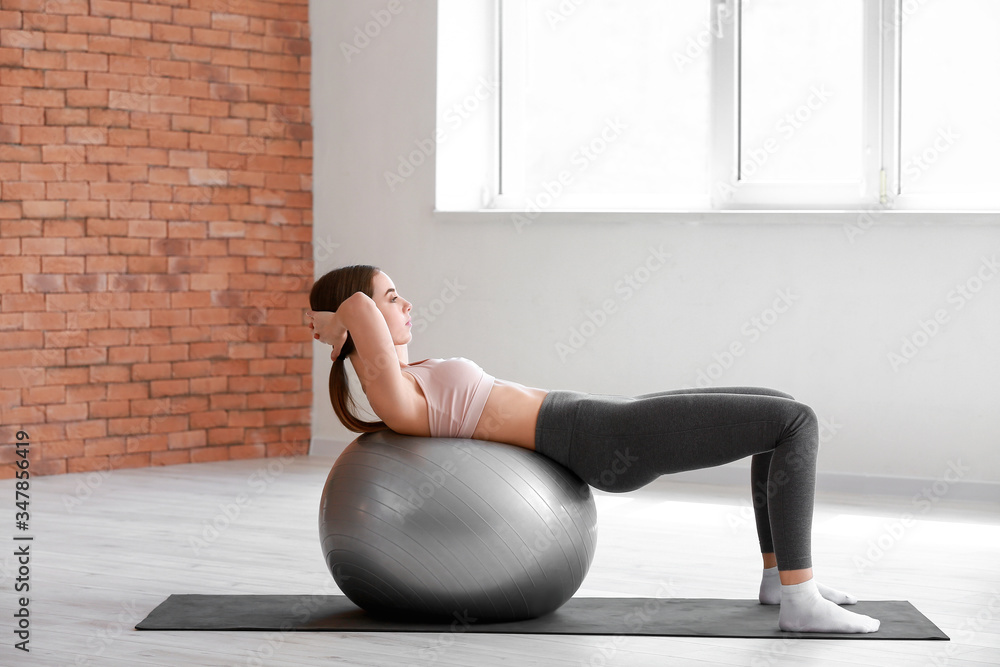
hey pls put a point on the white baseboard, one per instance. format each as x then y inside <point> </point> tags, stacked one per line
<point>737,475</point>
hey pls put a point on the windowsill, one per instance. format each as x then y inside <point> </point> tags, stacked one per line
<point>861,218</point>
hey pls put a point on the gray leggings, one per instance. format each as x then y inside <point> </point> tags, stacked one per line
<point>620,443</point>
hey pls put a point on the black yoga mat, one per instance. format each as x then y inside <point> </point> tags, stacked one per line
<point>678,617</point>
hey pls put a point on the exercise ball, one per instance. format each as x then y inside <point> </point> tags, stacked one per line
<point>439,527</point>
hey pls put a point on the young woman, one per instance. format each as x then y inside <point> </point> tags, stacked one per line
<point>614,443</point>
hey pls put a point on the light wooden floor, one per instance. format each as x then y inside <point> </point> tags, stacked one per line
<point>109,548</point>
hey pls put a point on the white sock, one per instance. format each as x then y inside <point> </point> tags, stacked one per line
<point>803,609</point>
<point>770,590</point>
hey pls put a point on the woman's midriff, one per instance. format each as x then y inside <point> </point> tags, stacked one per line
<point>510,414</point>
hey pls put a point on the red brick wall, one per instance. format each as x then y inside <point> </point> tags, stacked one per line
<point>155,231</point>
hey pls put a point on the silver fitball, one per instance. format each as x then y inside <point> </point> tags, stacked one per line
<point>446,526</point>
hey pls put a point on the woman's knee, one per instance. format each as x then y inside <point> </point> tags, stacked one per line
<point>804,414</point>
<point>799,421</point>
<point>804,423</point>
<point>798,448</point>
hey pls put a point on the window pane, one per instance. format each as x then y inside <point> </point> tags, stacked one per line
<point>617,96</point>
<point>949,134</point>
<point>802,82</point>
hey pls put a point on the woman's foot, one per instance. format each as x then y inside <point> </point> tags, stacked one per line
<point>770,590</point>
<point>803,609</point>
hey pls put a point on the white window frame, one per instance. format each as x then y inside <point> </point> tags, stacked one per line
<point>500,184</point>
<point>726,159</point>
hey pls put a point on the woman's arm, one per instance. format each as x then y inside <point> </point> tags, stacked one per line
<point>328,327</point>
<point>378,367</point>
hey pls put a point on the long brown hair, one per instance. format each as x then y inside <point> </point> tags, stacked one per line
<point>327,293</point>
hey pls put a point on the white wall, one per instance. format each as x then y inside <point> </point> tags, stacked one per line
<point>521,293</point>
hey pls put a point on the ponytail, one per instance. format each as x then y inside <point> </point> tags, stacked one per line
<point>343,401</point>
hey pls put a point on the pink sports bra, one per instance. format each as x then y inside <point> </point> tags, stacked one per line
<point>456,390</point>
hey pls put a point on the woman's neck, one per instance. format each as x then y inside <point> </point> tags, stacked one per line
<point>402,355</point>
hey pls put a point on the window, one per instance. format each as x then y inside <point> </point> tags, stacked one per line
<point>948,131</point>
<point>801,102</point>
<point>703,105</point>
<point>603,113</point>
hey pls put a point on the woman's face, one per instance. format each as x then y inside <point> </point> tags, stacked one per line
<point>395,309</point>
